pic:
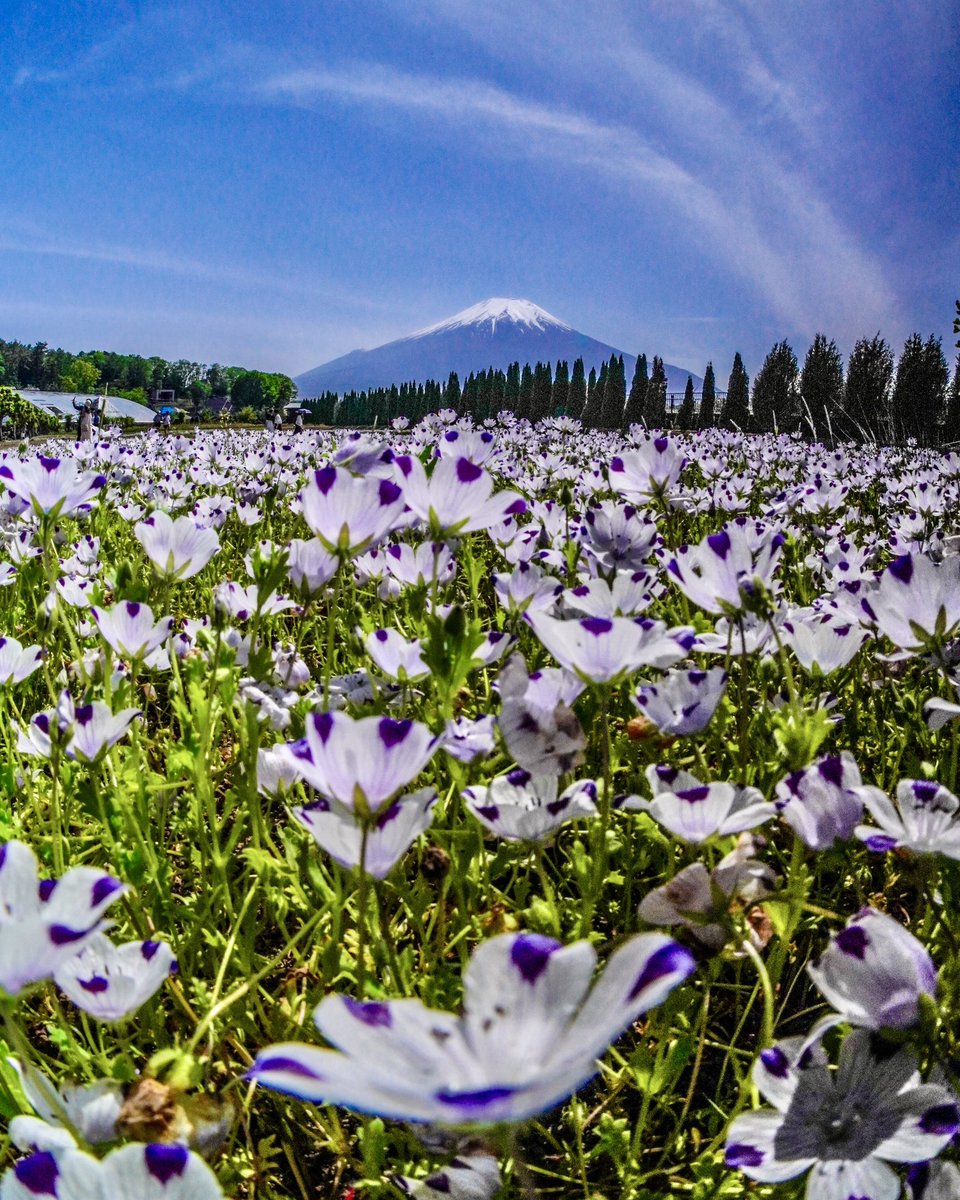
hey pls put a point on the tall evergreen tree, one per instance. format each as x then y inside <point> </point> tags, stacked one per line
<point>707,416</point>
<point>511,392</point>
<point>866,393</point>
<point>525,404</point>
<point>736,407</point>
<point>655,409</point>
<point>595,386</point>
<point>685,415</point>
<point>821,389</point>
<point>614,394</point>
<point>636,401</point>
<point>920,390</point>
<point>951,429</point>
<point>452,393</point>
<point>561,389</point>
<point>542,392</point>
<point>577,401</point>
<point>775,391</point>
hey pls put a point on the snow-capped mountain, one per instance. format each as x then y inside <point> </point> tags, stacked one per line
<point>494,333</point>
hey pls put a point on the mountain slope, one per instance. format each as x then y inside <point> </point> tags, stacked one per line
<point>494,333</point>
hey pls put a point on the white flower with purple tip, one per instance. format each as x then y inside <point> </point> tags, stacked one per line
<point>723,572</point>
<point>683,701</point>
<point>310,565</point>
<point>468,738</point>
<point>646,473</point>
<point>44,923</point>
<point>362,763</point>
<point>129,628</point>
<point>842,1126</point>
<point>923,818</point>
<point>135,1172</point>
<point>530,1035</point>
<point>605,649</point>
<point>521,807</point>
<point>538,726</point>
<point>916,600</point>
<point>179,549</point>
<point>939,711</point>
<point>695,811</point>
<point>420,566</point>
<point>390,833</point>
<point>467,1177</point>
<point>109,982</point>
<point>52,486</point>
<point>822,803</point>
<point>17,662</point>
<point>395,655</point>
<point>83,731</point>
<point>526,588</point>
<point>874,972</point>
<point>457,497</point>
<point>91,1110</point>
<point>350,513</point>
<point>630,593</point>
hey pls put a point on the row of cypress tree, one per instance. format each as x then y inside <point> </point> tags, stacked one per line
<point>876,398</point>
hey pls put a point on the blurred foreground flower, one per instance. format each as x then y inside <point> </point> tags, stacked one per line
<point>530,1035</point>
<point>136,1172</point>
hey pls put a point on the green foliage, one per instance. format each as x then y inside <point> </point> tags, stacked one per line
<point>866,395</point>
<point>776,392</point>
<point>736,406</point>
<point>821,389</point>
<point>685,415</point>
<point>920,390</point>
<point>707,416</point>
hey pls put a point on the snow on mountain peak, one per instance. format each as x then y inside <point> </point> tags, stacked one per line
<point>518,312</point>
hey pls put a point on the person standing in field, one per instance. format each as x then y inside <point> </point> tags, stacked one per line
<point>84,421</point>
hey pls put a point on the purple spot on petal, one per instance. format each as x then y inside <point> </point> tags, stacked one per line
<point>596,625</point>
<point>323,724</point>
<point>149,949</point>
<point>62,935</point>
<point>84,714</point>
<point>902,568</point>
<point>38,1173</point>
<point>388,815</point>
<point>853,941</point>
<point>942,1119</point>
<point>740,1154</point>
<point>388,492</point>
<point>518,778</point>
<point>558,805</point>
<point>694,795</point>
<point>45,889</point>
<point>719,543</point>
<point>616,464</point>
<point>438,1183</point>
<point>325,478</point>
<point>530,954</point>
<point>489,812</point>
<point>103,889</point>
<point>133,608</point>
<point>879,843</point>
<point>477,1101</point>
<point>95,984</point>
<point>668,960</point>
<point>283,1062</point>
<point>468,472</point>
<point>370,1012</point>
<point>165,1162</point>
<point>392,733</point>
<point>831,769</point>
<point>775,1061</point>
<point>381,635</point>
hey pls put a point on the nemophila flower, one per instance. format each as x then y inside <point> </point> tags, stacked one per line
<point>91,1109</point>
<point>842,1126</point>
<point>526,588</point>
<point>530,1035</point>
<point>874,972</point>
<point>53,487</point>
<point>683,701</point>
<point>82,731</point>
<point>695,811</point>
<point>822,803</point>
<point>467,738</point>
<point>646,473</point>
<point>701,900</point>
<point>129,628</point>
<point>338,829</point>
<point>361,763</point>
<point>605,649</point>
<point>457,496</point>
<point>822,640</point>
<point>310,565</point>
<point>180,548</point>
<point>45,923</point>
<point>17,662</point>
<point>939,711</point>
<point>349,513</point>
<point>630,593</point>
<point>466,1177</point>
<point>244,603</point>
<point>134,1172</point>
<point>538,726</point>
<point>395,655</point>
<point>923,818</point>
<point>916,601</point>
<point>521,807</point>
<point>420,566</point>
<point>933,1181</point>
<point>109,982</point>
<point>273,703</point>
<point>723,573</point>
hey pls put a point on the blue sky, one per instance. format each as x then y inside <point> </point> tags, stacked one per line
<point>274,184</point>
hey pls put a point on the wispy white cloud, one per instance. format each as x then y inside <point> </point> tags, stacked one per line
<point>764,221</point>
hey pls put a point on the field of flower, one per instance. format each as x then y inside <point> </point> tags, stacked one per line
<point>473,811</point>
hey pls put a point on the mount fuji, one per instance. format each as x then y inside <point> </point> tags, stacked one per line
<point>494,333</point>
